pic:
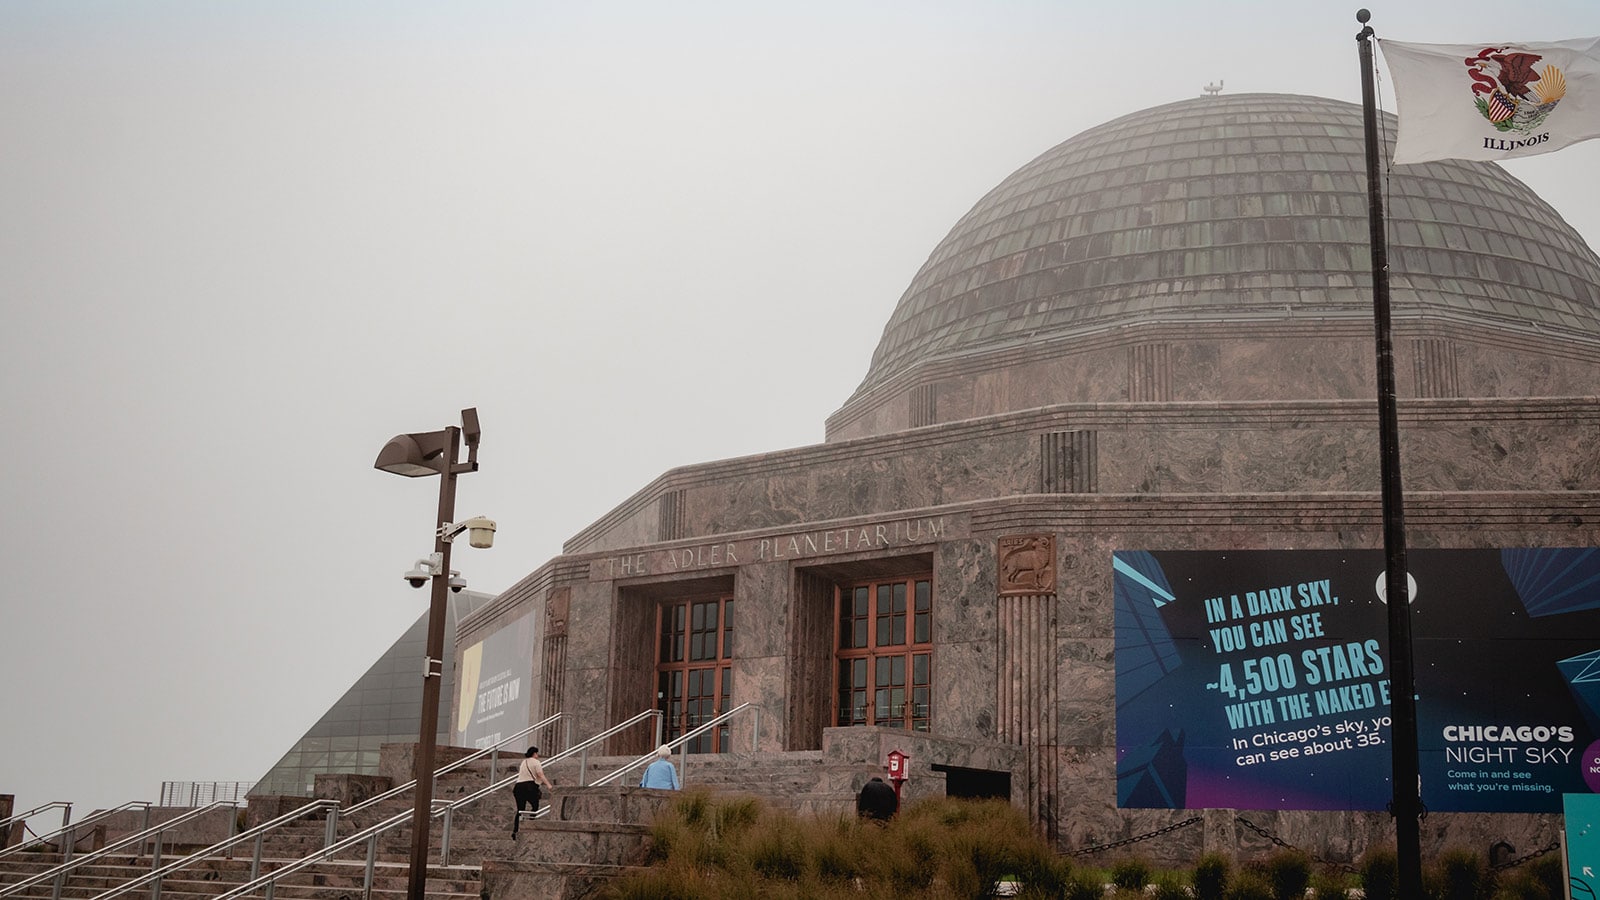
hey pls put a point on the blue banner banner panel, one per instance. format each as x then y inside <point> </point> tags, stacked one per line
<point>1260,679</point>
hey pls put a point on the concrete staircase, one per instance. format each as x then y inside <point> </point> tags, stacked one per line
<point>329,880</point>
<point>590,834</point>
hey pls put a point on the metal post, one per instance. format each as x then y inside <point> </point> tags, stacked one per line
<point>330,831</point>
<point>1406,805</point>
<point>433,674</point>
<point>444,837</point>
<point>66,816</point>
<point>372,863</point>
<point>155,863</point>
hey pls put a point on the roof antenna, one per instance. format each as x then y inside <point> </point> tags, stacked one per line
<point>1214,89</point>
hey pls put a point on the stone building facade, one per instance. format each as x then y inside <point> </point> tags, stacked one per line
<point>1156,335</point>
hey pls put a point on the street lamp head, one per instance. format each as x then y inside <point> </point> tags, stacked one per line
<point>414,455</point>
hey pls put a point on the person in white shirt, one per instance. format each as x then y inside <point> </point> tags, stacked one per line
<point>530,775</point>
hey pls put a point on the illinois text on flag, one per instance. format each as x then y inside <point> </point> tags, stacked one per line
<point>1493,101</point>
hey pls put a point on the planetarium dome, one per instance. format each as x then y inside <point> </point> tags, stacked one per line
<point>1244,214</point>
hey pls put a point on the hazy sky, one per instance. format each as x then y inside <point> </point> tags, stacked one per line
<point>244,243</point>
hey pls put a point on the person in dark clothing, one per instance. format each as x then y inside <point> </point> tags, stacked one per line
<point>530,775</point>
<point>877,801</point>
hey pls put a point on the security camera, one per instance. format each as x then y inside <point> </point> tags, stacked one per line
<point>421,572</point>
<point>456,582</point>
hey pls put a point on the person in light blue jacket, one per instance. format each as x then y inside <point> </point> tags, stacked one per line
<point>661,774</point>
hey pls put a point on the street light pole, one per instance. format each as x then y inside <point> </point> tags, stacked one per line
<point>414,455</point>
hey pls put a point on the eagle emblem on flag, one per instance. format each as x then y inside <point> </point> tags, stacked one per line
<point>1511,91</point>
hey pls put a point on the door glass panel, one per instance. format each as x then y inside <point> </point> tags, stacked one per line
<point>885,653</point>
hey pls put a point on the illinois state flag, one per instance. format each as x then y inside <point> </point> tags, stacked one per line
<point>1493,102</point>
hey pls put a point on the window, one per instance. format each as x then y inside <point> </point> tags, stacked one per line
<point>694,673</point>
<point>885,653</point>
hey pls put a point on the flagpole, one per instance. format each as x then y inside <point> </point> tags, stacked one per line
<point>1406,805</point>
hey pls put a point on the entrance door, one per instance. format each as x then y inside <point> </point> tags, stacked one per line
<point>694,672</point>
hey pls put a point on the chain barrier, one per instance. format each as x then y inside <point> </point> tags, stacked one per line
<point>1349,868</point>
<point>1525,857</point>
<point>1288,846</point>
<point>1098,848</point>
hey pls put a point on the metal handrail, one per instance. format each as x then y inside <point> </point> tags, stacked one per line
<point>59,872</point>
<point>269,879</point>
<point>73,828</point>
<point>684,739</point>
<point>604,735</point>
<point>445,770</point>
<point>449,809</point>
<point>221,847</point>
<point>66,816</point>
<point>370,834</point>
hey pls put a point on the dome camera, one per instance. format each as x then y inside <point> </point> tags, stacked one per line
<point>419,575</point>
<point>456,582</point>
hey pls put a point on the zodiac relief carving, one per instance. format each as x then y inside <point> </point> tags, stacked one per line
<point>1027,564</point>
<point>556,609</point>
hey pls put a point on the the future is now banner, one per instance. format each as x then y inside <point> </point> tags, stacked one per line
<point>1260,679</point>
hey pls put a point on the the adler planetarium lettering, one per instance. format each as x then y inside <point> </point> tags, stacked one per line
<point>855,538</point>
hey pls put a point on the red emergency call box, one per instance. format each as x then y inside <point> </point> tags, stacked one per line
<point>898,765</point>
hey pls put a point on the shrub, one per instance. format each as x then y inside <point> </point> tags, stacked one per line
<point>1211,873</point>
<point>1248,885</point>
<point>1288,873</point>
<point>838,855</point>
<point>1132,873</point>
<point>1043,874</point>
<point>730,847</point>
<point>1169,886</point>
<point>1548,872</point>
<point>1329,883</point>
<point>1459,875</point>
<point>1380,874</point>
<point>1084,886</point>
<point>777,854</point>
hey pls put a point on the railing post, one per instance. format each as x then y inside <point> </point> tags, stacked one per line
<point>255,859</point>
<point>444,836</point>
<point>494,759</point>
<point>755,730</point>
<point>661,727</point>
<point>583,767</point>
<point>372,864</point>
<point>155,863</point>
<point>66,816</point>
<point>333,827</point>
